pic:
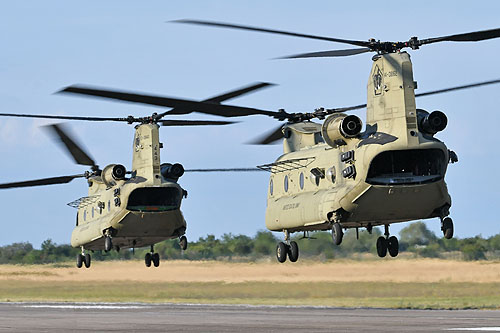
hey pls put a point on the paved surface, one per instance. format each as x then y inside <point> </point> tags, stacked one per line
<point>120,317</point>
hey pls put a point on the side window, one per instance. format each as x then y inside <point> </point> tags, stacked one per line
<point>301,180</point>
<point>330,174</point>
<point>286,184</point>
<point>271,186</point>
<point>92,212</point>
<point>85,215</point>
<point>109,205</point>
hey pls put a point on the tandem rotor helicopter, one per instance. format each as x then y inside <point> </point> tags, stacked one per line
<point>129,209</point>
<point>331,176</point>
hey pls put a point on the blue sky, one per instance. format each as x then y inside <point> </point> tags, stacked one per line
<point>128,45</point>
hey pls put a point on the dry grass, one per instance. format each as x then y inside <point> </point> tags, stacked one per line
<point>388,270</point>
<point>429,283</point>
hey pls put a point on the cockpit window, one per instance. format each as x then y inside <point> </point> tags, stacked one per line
<point>153,199</point>
<point>415,166</point>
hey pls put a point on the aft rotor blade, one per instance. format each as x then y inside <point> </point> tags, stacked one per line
<point>41,182</point>
<point>44,116</point>
<point>269,137</point>
<point>225,170</point>
<point>333,53</point>
<point>73,148</point>
<point>223,97</point>
<point>467,86</point>
<point>202,107</point>
<point>195,122</point>
<point>465,37</point>
<point>273,31</point>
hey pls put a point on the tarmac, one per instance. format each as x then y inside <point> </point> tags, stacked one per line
<point>140,317</point>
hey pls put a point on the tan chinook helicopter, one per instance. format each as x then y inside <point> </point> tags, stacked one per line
<point>334,176</point>
<point>136,208</point>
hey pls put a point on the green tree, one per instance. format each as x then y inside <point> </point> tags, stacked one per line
<point>264,243</point>
<point>416,234</point>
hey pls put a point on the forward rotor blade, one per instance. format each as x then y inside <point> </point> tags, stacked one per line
<point>41,182</point>
<point>195,122</point>
<point>467,86</point>
<point>72,147</point>
<point>223,97</point>
<point>225,170</point>
<point>44,116</point>
<point>269,137</point>
<point>465,37</point>
<point>279,32</point>
<point>333,53</point>
<point>195,106</point>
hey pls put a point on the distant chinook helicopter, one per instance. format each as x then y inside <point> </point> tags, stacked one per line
<point>129,209</point>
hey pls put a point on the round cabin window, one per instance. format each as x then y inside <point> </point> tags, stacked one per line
<point>85,215</point>
<point>109,205</point>
<point>92,212</point>
<point>301,180</point>
<point>271,187</point>
<point>314,179</point>
<point>286,184</point>
<point>330,174</point>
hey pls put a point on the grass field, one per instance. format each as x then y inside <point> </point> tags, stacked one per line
<point>393,283</point>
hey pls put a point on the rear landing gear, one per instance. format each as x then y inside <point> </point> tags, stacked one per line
<point>183,243</point>
<point>83,259</point>
<point>447,227</point>
<point>387,244</point>
<point>287,248</point>
<point>152,257</point>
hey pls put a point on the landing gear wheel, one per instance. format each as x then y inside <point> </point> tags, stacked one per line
<point>79,260</point>
<point>337,233</point>
<point>382,246</point>
<point>293,251</point>
<point>393,246</point>
<point>108,244</point>
<point>447,228</point>
<point>183,243</point>
<point>281,251</point>
<point>147,259</point>
<point>156,259</point>
<point>87,260</point>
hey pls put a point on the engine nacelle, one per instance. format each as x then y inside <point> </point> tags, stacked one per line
<point>340,126</point>
<point>171,171</point>
<point>431,123</point>
<point>113,172</point>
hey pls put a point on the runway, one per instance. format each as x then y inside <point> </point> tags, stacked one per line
<point>136,317</point>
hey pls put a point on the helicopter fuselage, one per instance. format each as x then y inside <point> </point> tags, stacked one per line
<point>392,172</point>
<point>138,211</point>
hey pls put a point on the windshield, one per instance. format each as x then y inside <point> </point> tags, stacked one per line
<point>151,199</point>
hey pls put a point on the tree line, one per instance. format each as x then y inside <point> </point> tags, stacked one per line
<point>416,240</point>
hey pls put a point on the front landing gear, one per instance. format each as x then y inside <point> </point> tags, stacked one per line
<point>447,227</point>
<point>152,257</point>
<point>83,259</point>
<point>287,248</point>
<point>387,244</point>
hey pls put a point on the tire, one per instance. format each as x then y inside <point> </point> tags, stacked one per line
<point>382,247</point>
<point>337,233</point>
<point>108,244</point>
<point>183,243</point>
<point>393,246</point>
<point>87,260</point>
<point>447,228</point>
<point>147,259</point>
<point>79,260</point>
<point>281,252</point>
<point>293,251</point>
<point>156,259</point>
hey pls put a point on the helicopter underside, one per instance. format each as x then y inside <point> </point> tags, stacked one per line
<point>376,205</point>
<point>136,229</point>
